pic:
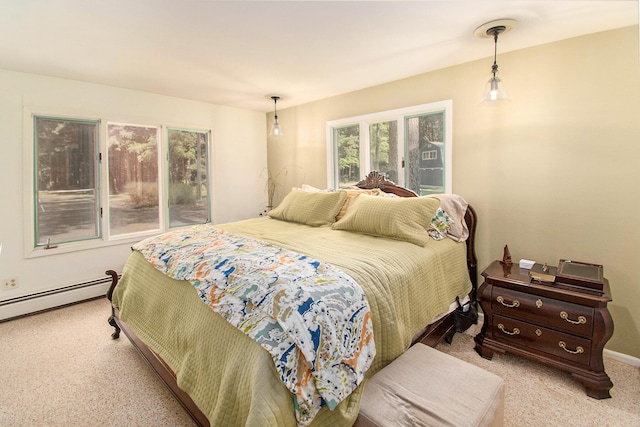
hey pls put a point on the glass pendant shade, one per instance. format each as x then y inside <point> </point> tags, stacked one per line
<point>494,92</point>
<point>275,129</point>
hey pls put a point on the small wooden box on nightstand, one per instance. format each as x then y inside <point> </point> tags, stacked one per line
<point>560,326</point>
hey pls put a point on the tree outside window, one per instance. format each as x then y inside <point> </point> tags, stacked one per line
<point>133,178</point>
<point>348,142</point>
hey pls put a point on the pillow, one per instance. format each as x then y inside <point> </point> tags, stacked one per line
<point>351,193</point>
<point>311,188</point>
<point>311,208</point>
<point>383,194</point>
<point>403,218</point>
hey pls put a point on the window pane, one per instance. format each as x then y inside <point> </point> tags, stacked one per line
<point>348,143</point>
<point>188,177</point>
<point>425,153</point>
<point>384,149</point>
<point>67,196</point>
<point>133,178</point>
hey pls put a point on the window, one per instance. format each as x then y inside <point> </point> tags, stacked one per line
<point>152,183</point>
<point>411,147</point>
<point>188,177</point>
<point>66,198</point>
<point>383,149</point>
<point>425,137</point>
<point>429,155</point>
<point>348,142</point>
<point>133,178</point>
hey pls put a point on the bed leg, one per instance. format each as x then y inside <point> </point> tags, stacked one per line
<point>112,321</point>
<point>112,318</point>
<point>449,337</point>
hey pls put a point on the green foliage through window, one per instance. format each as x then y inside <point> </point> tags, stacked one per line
<point>348,141</point>
<point>188,177</point>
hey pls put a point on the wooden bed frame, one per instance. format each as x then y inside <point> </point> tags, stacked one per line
<point>442,329</point>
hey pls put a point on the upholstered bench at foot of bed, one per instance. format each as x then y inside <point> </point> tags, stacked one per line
<point>425,387</point>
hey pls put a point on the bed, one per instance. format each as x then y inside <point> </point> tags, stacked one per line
<point>403,288</point>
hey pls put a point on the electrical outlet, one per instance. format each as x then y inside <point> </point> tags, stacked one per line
<point>9,284</point>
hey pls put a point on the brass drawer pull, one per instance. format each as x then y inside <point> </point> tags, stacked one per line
<point>539,303</point>
<point>516,331</point>
<point>516,303</point>
<point>538,332</point>
<point>563,345</point>
<point>581,319</point>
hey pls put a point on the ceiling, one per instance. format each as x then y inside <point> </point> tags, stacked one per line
<point>235,53</point>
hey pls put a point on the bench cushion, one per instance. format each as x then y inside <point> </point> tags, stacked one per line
<point>425,387</point>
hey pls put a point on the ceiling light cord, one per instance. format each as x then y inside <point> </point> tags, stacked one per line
<point>494,67</point>
<point>275,107</point>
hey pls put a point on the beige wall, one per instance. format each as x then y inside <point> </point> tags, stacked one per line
<point>553,174</point>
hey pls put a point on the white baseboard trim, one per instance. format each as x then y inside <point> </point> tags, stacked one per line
<point>621,357</point>
<point>21,306</point>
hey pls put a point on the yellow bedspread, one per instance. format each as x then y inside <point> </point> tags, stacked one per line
<point>230,377</point>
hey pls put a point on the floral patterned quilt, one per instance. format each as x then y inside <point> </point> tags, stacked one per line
<point>312,318</point>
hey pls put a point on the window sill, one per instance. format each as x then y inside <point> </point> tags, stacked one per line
<point>64,248</point>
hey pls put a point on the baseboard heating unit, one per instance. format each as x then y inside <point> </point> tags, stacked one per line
<point>54,298</point>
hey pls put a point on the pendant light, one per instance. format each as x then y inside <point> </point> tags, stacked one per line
<point>275,129</point>
<point>494,92</point>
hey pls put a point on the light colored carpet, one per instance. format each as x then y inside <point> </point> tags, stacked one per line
<point>536,395</point>
<point>61,368</point>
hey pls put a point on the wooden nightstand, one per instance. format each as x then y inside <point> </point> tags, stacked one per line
<point>550,323</point>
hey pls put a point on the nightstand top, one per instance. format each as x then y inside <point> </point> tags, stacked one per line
<point>516,277</point>
<point>515,274</point>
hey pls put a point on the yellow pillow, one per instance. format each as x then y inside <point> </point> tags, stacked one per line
<point>403,218</point>
<point>351,193</point>
<point>311,208</point>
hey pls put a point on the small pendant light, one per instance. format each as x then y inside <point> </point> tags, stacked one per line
<point>275,129</point>
<point>494,92</point>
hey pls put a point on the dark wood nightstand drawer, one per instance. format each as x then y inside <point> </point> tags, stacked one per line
<point>571,318</point>
<point>542,339</point>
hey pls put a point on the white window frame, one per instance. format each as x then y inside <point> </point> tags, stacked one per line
<point>105,240</point>
<point>364,121</point>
